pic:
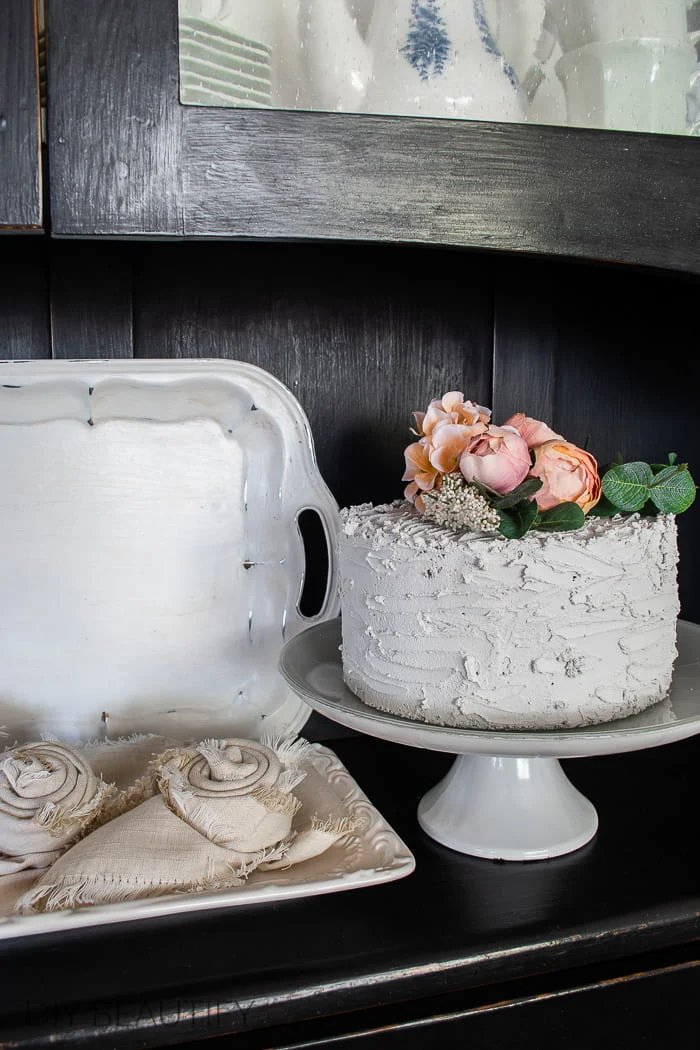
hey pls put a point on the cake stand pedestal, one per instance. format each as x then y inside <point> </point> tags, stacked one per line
<point>506,796</point>
<point>507,808</point>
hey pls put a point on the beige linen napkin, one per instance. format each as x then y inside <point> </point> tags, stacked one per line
<point>48,796</point>
<point>128,764</point>
<point>224,808</point>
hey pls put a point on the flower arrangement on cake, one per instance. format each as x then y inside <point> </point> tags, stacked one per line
<point>466,473</point>
<point>446,620</point>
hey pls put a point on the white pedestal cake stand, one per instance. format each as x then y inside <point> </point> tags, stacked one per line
<point>506,796</point>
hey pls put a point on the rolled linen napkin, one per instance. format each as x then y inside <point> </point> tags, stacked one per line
<point>128,764</point>
<point>237,793</point>
<point>48,796</point>
<point>224,808</point>
<point>127,761</point>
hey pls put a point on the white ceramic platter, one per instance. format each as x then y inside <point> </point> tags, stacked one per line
<point>312,665</point>
<point>373,854</point>
<point>151,564</point>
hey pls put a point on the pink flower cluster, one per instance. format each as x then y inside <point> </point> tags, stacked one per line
<point>457,436</point>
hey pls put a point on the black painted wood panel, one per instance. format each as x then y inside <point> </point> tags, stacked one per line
<point>651,1011</point>
<point>527,300</point>
<point>362,336</point>
<point>91,310</point>
<point>545,190</point>
<point>607,357</point>
<point>20,145</point>
<point>24,298</point>
<point>114,121</point>
<point>127,159</point>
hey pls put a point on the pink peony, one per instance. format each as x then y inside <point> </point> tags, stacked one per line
<point>568,474</point>
<point>498,458</point>
<point>452,408</point>
<point>533,431</point>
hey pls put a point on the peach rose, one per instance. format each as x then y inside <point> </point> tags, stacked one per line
<point>498,458</point>
<point>420,472</point>
<point>568,475</point>
<point>452,408</point>
<point>533,431</point>
<point>448,442</point>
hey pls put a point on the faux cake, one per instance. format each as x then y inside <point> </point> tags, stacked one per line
<point>514,587</point>
<point>469,629</point>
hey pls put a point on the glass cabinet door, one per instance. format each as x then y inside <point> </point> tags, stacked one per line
<point>625,65</point>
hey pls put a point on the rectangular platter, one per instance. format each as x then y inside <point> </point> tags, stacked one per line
<point>374,854</point>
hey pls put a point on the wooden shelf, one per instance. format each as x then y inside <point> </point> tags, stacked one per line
<point>127,160</point>
<point>599,945</point>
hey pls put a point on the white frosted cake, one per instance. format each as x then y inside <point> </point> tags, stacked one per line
<point>468,629</point>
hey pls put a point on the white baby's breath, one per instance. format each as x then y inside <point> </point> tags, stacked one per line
<point>458,505</point>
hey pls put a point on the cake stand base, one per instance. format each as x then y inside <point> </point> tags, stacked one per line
<point>507,808</point>
<point>506,797</point>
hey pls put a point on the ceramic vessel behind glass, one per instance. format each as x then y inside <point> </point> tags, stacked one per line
<point>625,65</point>
<point>241,53</point>
<point>629,85</point>
<point>438,58</point>
<point>581,22</point>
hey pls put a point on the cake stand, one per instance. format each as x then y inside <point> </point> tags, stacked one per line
<point>506,797</point>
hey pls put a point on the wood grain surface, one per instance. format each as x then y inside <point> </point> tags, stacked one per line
<point>20,145</point>
<point>91,309</point>
<point>544,190</point>
<point>362,336</point>
<point>114,121</point>
<point>24,298</point>
<point>128,159</point>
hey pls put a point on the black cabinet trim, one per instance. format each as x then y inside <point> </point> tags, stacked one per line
<point>20,135</point>
<point>129,160</point>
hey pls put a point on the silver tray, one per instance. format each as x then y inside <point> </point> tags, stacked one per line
<point>152,565</point>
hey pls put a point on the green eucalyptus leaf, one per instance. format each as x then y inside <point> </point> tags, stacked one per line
<point>525,490</point>
<point>565,517</point>
<point>516,520</point>
<point>604,509</point>
<point>656,468</point>
<point>673,489</point>
<point>488,493</point>
<point>627,485</point>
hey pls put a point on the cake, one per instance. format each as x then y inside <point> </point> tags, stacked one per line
<point>473,630</point>
<point>513,588</point>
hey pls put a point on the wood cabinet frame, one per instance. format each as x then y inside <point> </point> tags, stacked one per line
<point>127,159</point>
<point>20,123</point>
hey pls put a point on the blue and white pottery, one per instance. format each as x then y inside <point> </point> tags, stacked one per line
<point>436,58</point>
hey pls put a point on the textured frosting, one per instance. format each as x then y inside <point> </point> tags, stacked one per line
<point>469,629</point>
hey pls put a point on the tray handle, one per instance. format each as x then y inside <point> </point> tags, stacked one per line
<point>318,599</point>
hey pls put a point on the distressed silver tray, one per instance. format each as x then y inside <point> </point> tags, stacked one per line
<point>151,564</point>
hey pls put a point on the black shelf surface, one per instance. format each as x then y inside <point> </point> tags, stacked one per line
<point>127,160</point>
<point>459,930</point>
